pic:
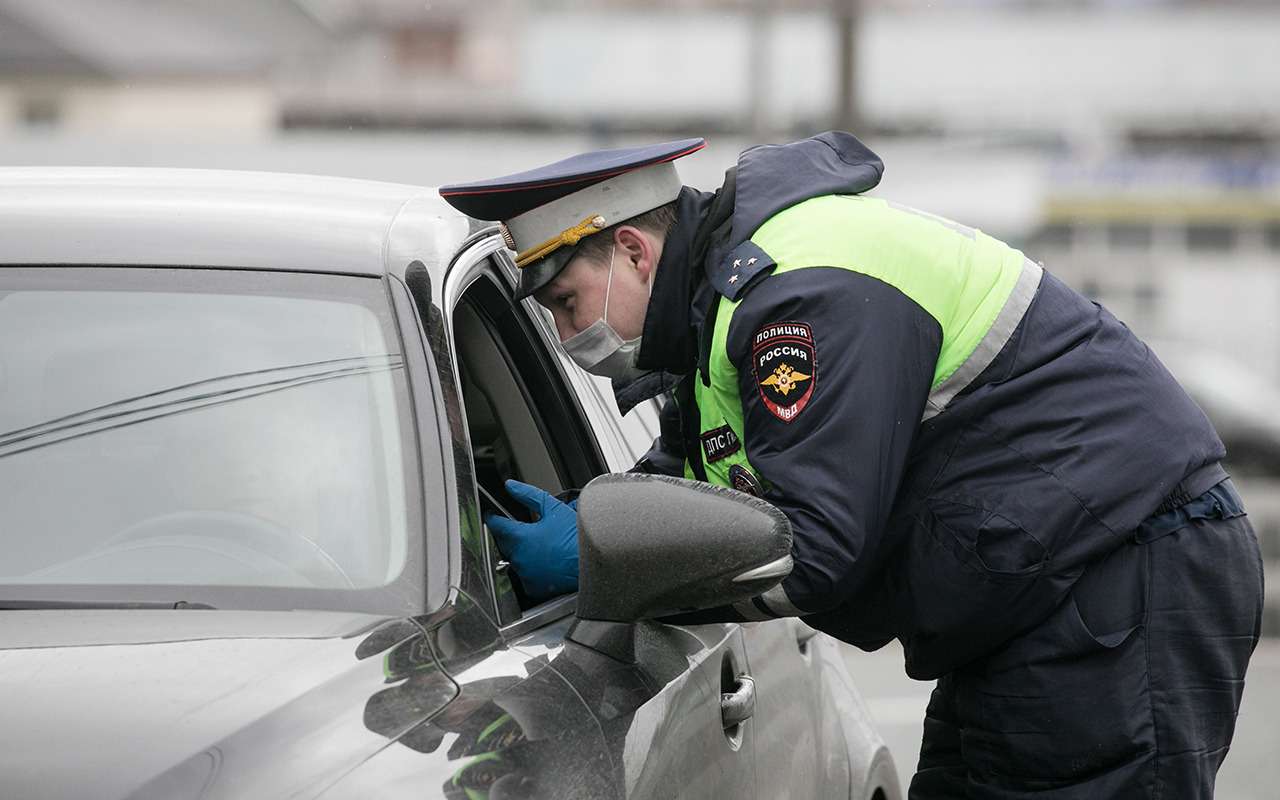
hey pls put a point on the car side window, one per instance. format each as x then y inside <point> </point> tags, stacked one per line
<point>522,421</point>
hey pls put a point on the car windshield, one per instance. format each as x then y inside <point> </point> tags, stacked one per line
<point>202,436</point>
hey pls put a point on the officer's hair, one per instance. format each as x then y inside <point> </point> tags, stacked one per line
<point>658,221</point>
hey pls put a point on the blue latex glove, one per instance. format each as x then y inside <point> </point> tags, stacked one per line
<point>543,553</point>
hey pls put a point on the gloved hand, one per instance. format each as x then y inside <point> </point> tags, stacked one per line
<point>543,553</point>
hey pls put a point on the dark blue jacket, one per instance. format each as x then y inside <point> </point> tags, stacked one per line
<point>955,533</point>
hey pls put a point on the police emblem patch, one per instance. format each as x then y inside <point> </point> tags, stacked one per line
<point>785,364</point>
<point>741,479</point>
<point>720,443</point>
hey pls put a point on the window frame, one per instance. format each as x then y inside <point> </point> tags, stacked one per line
<point>577,459</point>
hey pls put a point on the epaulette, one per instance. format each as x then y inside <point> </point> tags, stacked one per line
<point>739,269</point>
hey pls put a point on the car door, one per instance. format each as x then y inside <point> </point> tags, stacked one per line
<point>787,693</point>
<point>529,417</point>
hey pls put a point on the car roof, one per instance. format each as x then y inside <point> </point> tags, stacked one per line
<point>222,218</point>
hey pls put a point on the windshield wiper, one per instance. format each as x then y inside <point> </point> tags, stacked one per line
<point>137,409</point>
<point>32,605</point>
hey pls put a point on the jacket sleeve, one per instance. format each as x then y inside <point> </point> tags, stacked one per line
<point>829,438</point>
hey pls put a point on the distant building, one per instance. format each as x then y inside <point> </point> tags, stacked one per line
<point>108,66</point>
<point>1076,73</point>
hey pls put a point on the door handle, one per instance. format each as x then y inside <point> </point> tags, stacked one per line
<point>738,706</point>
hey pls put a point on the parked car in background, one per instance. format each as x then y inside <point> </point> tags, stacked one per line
<point>248,426</point>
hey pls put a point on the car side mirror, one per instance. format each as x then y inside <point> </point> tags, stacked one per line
<point>652,545</point>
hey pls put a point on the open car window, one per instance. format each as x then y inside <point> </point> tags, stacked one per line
<point>523,422</point>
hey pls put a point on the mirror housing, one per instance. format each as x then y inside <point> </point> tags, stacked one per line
<point>652,545</point>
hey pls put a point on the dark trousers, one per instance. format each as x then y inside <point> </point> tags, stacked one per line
<point>1129,689</point>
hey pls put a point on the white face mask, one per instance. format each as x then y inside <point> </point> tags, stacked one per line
<point>599,349</point>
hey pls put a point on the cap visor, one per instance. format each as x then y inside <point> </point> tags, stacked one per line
<point>541,272</point>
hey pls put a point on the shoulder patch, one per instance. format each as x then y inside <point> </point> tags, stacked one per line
<point>720,443</point>
<point>739,268</point>
<point>784,363</point>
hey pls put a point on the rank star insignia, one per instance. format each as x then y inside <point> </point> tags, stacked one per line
<point>784,361</point>
<point>733,279</point>
<point>785,379</point>
<point>751,261</point>
<point>737,262</point>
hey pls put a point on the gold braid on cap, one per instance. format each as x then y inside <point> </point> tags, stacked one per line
<point>567,237</point>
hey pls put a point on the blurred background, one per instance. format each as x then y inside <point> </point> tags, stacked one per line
<point>1133,146</point>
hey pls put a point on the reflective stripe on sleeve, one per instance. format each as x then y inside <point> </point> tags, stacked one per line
<point>1015,307</point>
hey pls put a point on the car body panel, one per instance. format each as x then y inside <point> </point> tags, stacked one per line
<point>512,720</point>
<point>252,220</point>
<point>788,699</point>
<point>661,716</point>
<point>102,702</point>
<point>209,704</point>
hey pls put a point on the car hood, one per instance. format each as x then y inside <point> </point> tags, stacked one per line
<point>121,703</point>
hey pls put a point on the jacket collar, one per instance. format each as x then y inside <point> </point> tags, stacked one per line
<point>670,336</point>
<point>665,341</point>
<point>669,344</point>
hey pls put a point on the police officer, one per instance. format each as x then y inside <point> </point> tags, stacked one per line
<point>975,460</point>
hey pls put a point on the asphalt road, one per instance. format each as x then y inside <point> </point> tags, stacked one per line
<point>1251,771</point>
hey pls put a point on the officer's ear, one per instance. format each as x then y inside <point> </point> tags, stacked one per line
<point>639,249</point>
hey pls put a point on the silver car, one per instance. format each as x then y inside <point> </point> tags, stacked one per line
<point>249,427</point>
